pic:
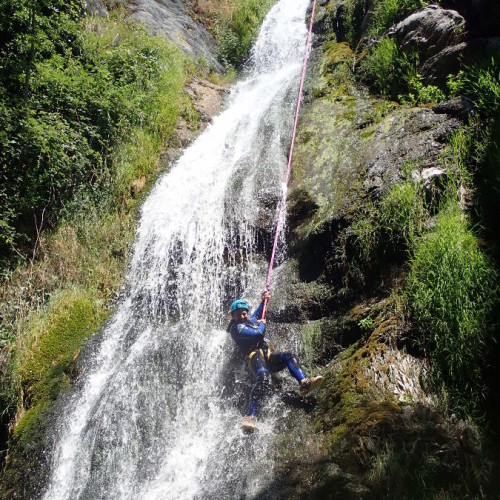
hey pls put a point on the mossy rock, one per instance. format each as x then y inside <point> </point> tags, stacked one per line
<point>45,371</point>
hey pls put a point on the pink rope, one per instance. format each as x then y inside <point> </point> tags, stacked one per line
<point>290,154</point>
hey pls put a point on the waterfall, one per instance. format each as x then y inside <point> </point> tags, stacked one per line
<point>153,416</point>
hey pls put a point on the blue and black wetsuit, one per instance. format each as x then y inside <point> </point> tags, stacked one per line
<point>262,361</point>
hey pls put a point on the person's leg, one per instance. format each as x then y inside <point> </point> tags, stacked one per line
<point>262,385</point>
<point>280,360</point>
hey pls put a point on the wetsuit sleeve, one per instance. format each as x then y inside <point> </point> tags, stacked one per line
<point>251,332</point>
<point>247,336</point>
<point>257,313</point>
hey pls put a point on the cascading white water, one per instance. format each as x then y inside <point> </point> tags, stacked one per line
<point>150,418</point>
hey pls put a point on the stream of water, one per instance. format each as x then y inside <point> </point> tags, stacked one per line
<point>154,416</point>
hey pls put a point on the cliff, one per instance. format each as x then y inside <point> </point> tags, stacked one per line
<point>391,282</point>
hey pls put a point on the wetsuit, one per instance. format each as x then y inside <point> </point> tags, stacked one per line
<point>262,361</point>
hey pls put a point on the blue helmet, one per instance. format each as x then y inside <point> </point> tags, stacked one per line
<point>239,304</point>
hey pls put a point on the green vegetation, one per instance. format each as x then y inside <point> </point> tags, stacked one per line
<point>387,69</point>
<point>388,12</point>
<point>81,96</point>
<point>366,324</point>
<point>481,82</point>
<point>49,350</point>
<point>478,147</point>
<point>366,53</point>
<point>452,294</point>
<point>236,30</point>
<point>418,93</point>
<point>383,14</point>
<point>451,290</point>
<point>390,226</point>
<point>78,148</point>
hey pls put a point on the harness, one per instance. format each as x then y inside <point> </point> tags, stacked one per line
<point>261,350</point>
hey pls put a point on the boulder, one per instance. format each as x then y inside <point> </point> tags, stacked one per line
<point>171,18</point>
<point>459,107</point>
<point>444,41</point>
<point>436,69</point>
<point>96,7</point>
<point>430,31</point>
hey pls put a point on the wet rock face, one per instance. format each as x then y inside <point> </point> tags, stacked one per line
<point>373,411</point>
<point>354,147</point>
<point>171,19</point>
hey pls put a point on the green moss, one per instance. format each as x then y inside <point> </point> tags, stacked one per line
<point>70,319</point>
<point>42,366</point>
<point>336,68</point>
<point>349,403</point>
<point>30,432</point>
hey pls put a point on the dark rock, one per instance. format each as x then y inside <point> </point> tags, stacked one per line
<point>430,31</point>
<point>482,16</point>
<point>437,68</point>
<point>96,7</point>
<point>447,62</point>
<point>408,136</point>
<point>459,107</point>
<point>171,18</point>
<point>328,19</point>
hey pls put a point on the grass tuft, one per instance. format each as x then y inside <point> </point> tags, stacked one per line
<point>452,293</point>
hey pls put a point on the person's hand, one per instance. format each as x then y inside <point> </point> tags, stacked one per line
<point>266,295</point>
<point>261,321</point>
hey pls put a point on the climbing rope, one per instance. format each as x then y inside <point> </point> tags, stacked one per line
<point>289,167</point>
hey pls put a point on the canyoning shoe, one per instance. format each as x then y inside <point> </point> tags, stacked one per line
<point>310,384</point>
<point>249,423</point>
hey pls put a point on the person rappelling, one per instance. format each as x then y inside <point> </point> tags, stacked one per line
<point>248,333</point>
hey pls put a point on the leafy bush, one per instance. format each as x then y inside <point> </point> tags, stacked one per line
<point>60,139</point>
<point>452,293</point>
<point>92,125</point>
<point>418,93</point>
<point>32,32</point>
